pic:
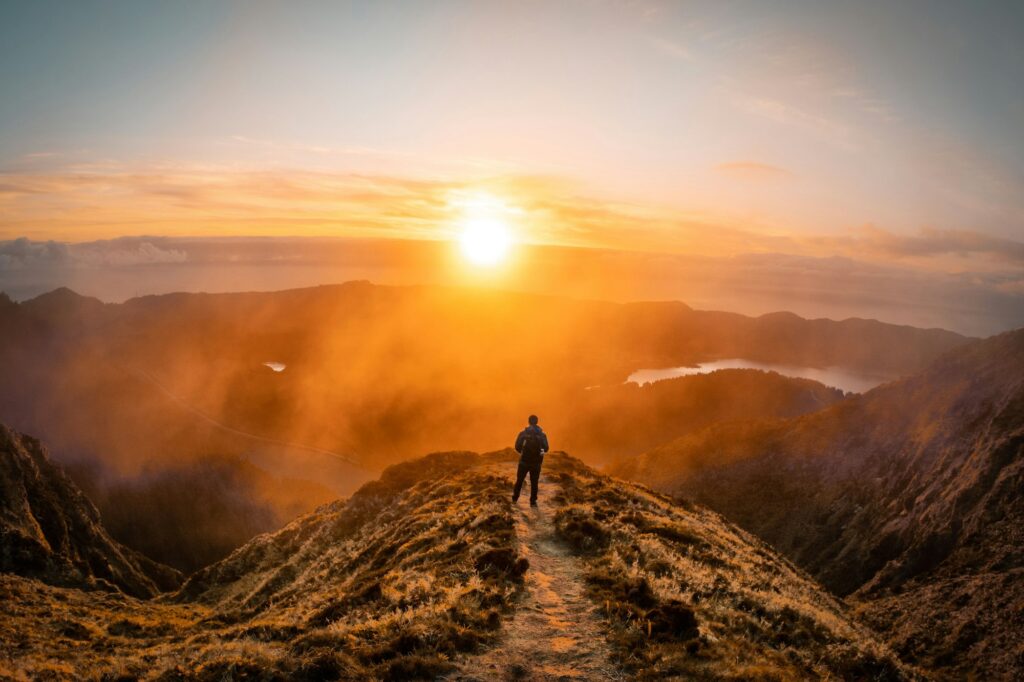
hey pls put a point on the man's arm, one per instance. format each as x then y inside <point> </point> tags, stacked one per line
<point>544,441</point>
<point>520,440</point>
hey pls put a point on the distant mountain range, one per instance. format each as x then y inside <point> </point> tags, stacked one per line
<point>907,499</point>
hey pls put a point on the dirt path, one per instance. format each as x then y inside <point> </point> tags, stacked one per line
<point>555,633</point>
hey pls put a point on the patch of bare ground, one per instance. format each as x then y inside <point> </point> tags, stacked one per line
<point>555,632</point>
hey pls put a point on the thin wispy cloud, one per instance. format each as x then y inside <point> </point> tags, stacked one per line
<point>927,243</point>
<point>276,145</point>
<point>179,200</point>
<point>671,48</point>
<point>752,170</point>
<point>826,129</point>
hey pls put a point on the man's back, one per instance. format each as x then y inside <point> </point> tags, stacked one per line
<point>532,442</point>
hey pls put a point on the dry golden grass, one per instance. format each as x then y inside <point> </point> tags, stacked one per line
<point>421,568</point>
<point>392,584</point>
<point>687,594</point>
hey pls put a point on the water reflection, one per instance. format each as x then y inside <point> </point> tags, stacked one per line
<point>841,378</point>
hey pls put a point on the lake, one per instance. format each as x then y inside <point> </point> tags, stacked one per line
<point>841,378</point>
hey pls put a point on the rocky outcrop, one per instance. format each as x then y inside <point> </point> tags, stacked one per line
<point>50,531</point>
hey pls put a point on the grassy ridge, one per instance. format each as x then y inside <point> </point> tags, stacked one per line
<point>687,594</point>
<point>421,568</point>
<point>392,584</point>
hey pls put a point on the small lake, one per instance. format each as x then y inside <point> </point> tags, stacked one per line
<point>844,379</point>
<point>276,366</point>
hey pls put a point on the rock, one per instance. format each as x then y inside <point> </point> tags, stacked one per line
<point>49,530</point>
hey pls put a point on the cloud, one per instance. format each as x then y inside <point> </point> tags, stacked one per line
<point>752,170</point>
<point>279,146</point>
<point>835,286</point>
<point>671,48</point>
<point>1011,287</point>
<point>23,253</point>
<point>826,128</point>
<point>125,252</point>
<point>181,201</point>
<point>178,201</point>
<point>925,244</point>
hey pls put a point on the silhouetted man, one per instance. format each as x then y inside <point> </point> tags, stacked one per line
<point>531,445</point>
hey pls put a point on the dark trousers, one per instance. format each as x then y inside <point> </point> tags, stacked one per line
<point>533,468</point>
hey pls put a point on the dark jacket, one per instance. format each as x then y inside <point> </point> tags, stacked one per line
<point>536,431</point>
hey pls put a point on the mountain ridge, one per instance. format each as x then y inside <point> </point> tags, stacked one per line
<point>423,570</point>
<point>888,496</point>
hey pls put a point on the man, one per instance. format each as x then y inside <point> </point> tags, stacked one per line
<point>531,445</point>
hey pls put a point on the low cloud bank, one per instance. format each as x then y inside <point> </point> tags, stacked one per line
<point>24,253</point>
<point>976,303</point>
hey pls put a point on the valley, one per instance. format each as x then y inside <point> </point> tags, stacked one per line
<point>216,472</point>
<point>297,298</point>
<point>905,500</point>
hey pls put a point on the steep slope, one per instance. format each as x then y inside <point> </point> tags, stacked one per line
<point>50,531</point>
<point>420,572</point>
<point>393,584</point>
<point>626,419</point>
<point>195,513</point>
<point>688,595</point>
<point>907,498</point>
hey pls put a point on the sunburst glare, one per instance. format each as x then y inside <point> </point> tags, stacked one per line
<point>485,230</point>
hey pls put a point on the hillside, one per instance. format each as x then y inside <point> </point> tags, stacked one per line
<point>137,399</point>
<point>191,514</point>
<point>380,373</point>
<point>907,499</point>
<point>622,419</point>
<point>51,532</point>
<point>432,571</point>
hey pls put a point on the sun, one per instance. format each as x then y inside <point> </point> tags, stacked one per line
<point>485,226</point>
<point>485,240</point>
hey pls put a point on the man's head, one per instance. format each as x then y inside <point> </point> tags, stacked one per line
<point>533,420</point>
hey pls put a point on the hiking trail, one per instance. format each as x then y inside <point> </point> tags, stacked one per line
<point>555,632</point>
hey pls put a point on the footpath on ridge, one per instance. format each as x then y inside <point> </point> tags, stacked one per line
<point>555,632</point>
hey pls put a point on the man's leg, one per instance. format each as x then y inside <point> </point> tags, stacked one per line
<point>534,480</point>
<point>520,476</point>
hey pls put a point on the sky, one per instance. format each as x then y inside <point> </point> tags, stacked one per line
<point>882,134</point>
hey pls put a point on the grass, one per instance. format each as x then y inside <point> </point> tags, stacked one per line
<point>688,595</point>
<point>420,569</point>
<point>395,583</point>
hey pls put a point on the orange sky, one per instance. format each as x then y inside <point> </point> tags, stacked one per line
<point>108,201</point>
<point>887,134</point>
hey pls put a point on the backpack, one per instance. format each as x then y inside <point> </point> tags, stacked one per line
<point>531,445</point>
